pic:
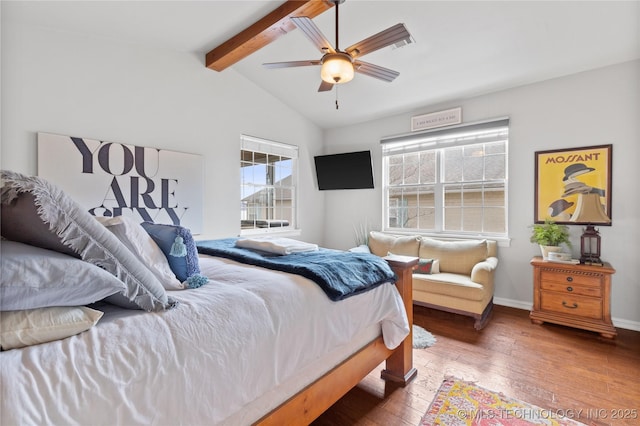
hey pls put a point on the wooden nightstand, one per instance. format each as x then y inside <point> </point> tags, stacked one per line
<point>573,295</point>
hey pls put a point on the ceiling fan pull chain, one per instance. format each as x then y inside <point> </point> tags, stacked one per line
<point>336,96</point>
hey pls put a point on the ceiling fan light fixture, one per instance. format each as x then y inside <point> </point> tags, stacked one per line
<point>337,68</point>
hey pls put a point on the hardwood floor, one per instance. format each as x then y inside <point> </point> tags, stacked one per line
<point>553,367</point>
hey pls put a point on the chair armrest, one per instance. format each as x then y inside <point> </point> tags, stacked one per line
<point>482,273</point>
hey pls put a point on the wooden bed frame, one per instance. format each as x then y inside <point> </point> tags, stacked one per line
<point>315,399</point>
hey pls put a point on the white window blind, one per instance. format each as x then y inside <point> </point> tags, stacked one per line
<point>464,134</point>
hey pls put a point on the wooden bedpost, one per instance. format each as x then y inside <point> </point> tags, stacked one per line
<point>400,364</point>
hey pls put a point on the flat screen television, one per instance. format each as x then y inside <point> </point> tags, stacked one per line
<point>351,170</point>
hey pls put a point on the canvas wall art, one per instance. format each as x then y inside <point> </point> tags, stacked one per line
<point>113,179</point>
<point>573,186</point>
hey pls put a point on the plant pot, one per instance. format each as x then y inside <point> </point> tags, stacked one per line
<point>546,249</point>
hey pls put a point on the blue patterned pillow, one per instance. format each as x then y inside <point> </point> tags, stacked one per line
<point>177,244</point>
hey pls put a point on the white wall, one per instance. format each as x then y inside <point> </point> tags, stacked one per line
<point>62,83</point>
<point>72,85</point>
<point>591,108</point>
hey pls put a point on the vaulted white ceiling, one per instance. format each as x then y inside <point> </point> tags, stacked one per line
<point>461,49</point>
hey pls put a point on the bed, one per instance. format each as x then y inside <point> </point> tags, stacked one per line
<point>240,344</point>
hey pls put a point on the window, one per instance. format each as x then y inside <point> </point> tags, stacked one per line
<point>268,182</point>
<point>451,180</point>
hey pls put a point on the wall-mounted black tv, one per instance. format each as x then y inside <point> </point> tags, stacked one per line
<point>351,170</point>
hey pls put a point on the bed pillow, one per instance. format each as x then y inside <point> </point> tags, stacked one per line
<point>33,277</point>
<point>132,235</point>
<point>77,230</point>
<point>35,326</point>
<point>177,244</point>
<point>29,229</point>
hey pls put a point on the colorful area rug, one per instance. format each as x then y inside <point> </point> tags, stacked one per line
<point>463,403</point>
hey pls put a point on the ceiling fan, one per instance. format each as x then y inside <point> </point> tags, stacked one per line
<point>338,66</point>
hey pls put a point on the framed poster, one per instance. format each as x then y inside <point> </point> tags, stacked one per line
<point>113,179</point>
<point>573,186</point>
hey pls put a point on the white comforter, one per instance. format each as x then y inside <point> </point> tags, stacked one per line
<point>227,343</point>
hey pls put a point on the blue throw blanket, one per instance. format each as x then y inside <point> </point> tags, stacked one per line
<point>340,274</point>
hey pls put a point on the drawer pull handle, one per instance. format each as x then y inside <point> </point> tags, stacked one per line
<point>569,288</point>
<point>570,279</point>
<point>566,305</point>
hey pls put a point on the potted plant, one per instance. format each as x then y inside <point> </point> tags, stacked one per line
<point>550,235</point>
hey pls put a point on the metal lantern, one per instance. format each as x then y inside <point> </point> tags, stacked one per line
<point>590,246</point>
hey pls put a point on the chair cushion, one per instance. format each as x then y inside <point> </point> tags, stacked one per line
<point>457,257</point>
<point>454,285</point>
<point>381,244</point>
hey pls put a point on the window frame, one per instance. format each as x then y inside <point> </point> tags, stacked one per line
<point>438,140</point>
<point>269,148</point>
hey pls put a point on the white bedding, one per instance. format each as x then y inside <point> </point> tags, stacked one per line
<point>245,333</point>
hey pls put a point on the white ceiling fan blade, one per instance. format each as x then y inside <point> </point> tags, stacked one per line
<point>385,38</point>
<point>272,65</point>
<point>325,86</point>
<point>313,33</point>
<point>375,71</point>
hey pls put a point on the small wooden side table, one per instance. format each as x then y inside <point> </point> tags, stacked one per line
<point>573,295</point>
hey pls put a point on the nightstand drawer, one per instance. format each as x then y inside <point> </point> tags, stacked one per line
<point>573,305</point>
<point>571,288</point>
<point>569,277</point>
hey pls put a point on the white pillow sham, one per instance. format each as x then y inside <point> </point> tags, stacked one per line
<point>133,235</point>
<point>33,277</point>
<point>35,326</point>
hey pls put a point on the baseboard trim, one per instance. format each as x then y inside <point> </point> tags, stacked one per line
<point>512,303</point>
<point>518,304</point>
<point>626,324</point>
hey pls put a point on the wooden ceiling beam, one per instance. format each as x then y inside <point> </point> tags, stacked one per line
<point>263,32</point>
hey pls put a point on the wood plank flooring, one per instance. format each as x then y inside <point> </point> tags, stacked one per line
<point>594,380</point>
